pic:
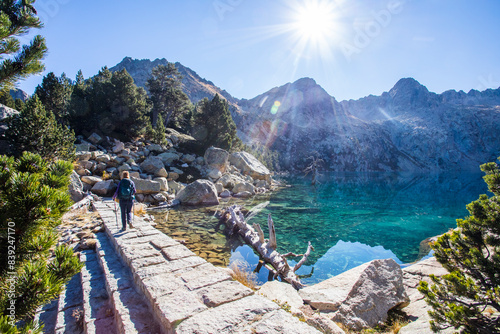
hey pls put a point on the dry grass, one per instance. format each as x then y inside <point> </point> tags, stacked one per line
<point>241,273</point>
<point>395,321</point>
<point>139,209</point>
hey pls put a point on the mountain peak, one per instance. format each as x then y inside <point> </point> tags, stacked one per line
<point>406,86</point>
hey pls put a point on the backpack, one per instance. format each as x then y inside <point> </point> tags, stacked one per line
<point>126,189</point>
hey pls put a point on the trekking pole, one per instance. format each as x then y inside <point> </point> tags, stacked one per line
<point>133,212</point>
<point>116,214</point>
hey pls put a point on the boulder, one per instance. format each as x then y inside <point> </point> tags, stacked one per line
<point>229,180</point>
<point>188,158</point>
<point>417,310</point>
<point>82,171</point>
<point>118,147</point>
<point>95,138</point>
<point>282,293</point>
<point>200,192</point>
<point>83,155</point>
<point>173,176</point>
<point>174,186</point>
<point>225,193</point>
<point>243,194</point>
<point>85,164</point>
<point>146,186</point>
<point>155,148</point>
<point>214,173</point>
<point>216,158</point>
<point>91,179</point>
<point>75,187</point>
<point>244,186</point>
<point>103,158</point>
<point>124,167</point>
<point>104,188</point>
<point>176,170</point>
<point>163,183</point>
<point>169,157</point>
<point>249,165</point>
<point>162,172</point>
<point>100,167</point>
<point>84,147</point>
<point>152,164</point>
<point>219,187</point>
<point>361,297</point>
<point>158,198</point>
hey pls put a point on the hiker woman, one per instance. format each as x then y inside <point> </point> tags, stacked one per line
<point>125,194</point>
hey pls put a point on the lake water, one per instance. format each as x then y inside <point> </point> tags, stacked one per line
<point>350,219</point>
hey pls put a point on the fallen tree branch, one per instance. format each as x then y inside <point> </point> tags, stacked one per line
<point>233,218</point>
<point>304,258</point>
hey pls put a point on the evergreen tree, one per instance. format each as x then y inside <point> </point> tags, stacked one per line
<point>109,103</point>
<point>78,108</point>
<point>167,96</point>
<point>17,17</point>
<point>36,130</point>
<point>468,298</point>
<point>18,104</point>
<point>159,132</point>
<point>7,100</point>
<point>213,124</point>
<point>33,198</point>
<point>55,94</point>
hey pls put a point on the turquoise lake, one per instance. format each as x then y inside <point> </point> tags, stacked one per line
<point>350,219</point>
<point>353,218</point>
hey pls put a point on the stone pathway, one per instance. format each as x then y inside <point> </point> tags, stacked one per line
<point>142,281</point>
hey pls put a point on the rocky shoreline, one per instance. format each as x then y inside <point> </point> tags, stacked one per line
<point>166,175</point>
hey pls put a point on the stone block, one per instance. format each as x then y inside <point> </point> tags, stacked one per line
<point>229,317</point>
<point>223,292</point>
<point>177,306</point>
<point>176,252</point>
<point>204,275</point>
<point>160,285</point>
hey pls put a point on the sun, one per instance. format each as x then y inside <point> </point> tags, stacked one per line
<point>314,21</point>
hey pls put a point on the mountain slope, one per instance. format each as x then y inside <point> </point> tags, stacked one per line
<point>407,128</point>
<point>193,85</point>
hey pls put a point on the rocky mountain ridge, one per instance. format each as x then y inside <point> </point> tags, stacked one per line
<point>407,128</point>
<point>193,85</point>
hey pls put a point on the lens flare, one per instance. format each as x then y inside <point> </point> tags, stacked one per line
<point>275,107</point>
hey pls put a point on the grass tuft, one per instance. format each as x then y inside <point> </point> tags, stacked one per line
<point>241,272</point>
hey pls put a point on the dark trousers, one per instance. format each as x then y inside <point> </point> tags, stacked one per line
<point>126,211</point>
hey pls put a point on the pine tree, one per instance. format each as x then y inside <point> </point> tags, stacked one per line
<point>159,132</point>
<point>33,198</point>
<point>16,19</point>
<point>168,99</point>
<point>36,130</point>
<point>7,100</point>
<point>214,125</point>
<point>55,93</point>
<point>78,108</point>
<point>109,103</point>
<point>468,298</point>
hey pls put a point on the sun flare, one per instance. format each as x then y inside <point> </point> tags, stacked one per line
<point>314,20</point>
<point>315,27</point>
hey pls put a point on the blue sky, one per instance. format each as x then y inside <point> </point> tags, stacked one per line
<point>352,48</point>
